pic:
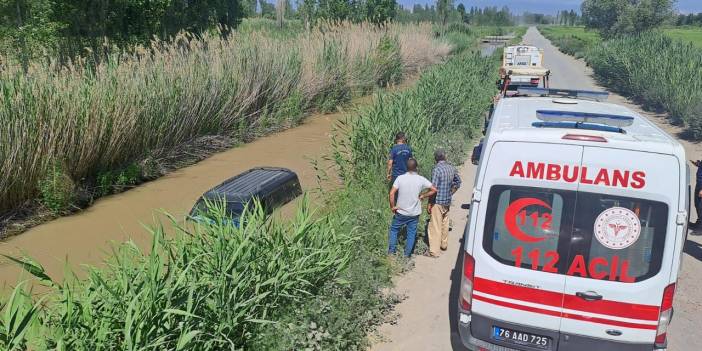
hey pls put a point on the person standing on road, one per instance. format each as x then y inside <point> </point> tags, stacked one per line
<point>397,160</point>
<point>446,180</point>
<point>698,193</point>
<point>409,191</point>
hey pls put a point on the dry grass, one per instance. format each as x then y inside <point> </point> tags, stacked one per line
<point>86,119</point>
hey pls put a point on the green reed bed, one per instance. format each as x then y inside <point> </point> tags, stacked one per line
<point>312,282</point>
<point>657,71</point>
<point>660,72</point>
<point>574,41</point>
<point>64,128</point>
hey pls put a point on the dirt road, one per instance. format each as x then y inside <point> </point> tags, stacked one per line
<point>428,316</point>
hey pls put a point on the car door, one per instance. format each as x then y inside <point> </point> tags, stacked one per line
<point>527,216</point>
<point>621,252</point>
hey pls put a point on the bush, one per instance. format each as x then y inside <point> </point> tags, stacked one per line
<point>388,61</point>
<point>57,189</point>
<point>116,181</point>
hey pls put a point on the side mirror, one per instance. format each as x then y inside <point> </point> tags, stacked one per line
<point>465,206</point>
<point>475,156</point>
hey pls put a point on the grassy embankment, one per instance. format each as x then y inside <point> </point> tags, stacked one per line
<point>71,134</point>
<point>658,71</point>
<point>313,282</point>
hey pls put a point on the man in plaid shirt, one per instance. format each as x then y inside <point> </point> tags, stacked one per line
<point>446,180</point>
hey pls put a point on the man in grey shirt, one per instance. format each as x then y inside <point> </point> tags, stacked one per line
<point>410,189</point>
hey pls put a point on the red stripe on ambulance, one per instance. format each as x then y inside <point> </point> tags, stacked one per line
<point>571,302</point>
<point>563,314</point>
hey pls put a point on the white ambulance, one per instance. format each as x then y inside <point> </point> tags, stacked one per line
<point>577,225</point>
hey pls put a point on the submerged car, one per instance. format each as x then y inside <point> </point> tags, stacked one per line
<point>271,187</point>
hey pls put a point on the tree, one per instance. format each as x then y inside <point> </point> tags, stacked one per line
<point>443,8</point>
<point>616,17</point>
<point>380,11</point>
<point>308,11</point>
<point>27,27</point>
<point>462,10</point>
<point>335,10</point>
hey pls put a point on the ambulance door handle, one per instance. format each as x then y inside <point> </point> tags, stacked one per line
<point>588,295</point>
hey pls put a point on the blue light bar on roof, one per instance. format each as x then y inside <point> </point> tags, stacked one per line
<point>585,117</point>
<point>579,94</point>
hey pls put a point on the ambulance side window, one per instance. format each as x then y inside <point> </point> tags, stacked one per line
<point>618,238</point>
<point>529,227</point>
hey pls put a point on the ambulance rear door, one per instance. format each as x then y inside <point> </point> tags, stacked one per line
<point>621,251</point>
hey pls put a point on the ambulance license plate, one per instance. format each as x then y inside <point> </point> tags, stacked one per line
<point>521,338</point>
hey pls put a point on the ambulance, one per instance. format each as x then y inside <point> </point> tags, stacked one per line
<point>576,228</point>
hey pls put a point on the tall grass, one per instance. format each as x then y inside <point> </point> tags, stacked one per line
<point>447,98</point>
<point>206,287</point>
<point>313,283</point>
<point>87,119</point>
<point>574,41</point>
<point>660,72</point>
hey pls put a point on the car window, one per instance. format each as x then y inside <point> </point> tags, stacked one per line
<point>581,234</point>
<point>209,208</point>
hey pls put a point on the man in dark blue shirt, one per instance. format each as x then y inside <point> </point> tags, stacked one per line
<point>698,193</point>
<point>397,160</point>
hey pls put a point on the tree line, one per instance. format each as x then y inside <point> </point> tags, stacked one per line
<point>690,19</point>
<point>67,27</point>
<point>616,17</point>
<point>444,11</point>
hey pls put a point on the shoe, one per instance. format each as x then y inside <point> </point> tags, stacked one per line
<point>444,248</point>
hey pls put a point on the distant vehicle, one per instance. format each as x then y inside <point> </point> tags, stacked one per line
<point>273,187</point>
<point>522,66</point>
<point>577,224</point>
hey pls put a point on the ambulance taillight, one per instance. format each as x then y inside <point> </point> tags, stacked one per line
<point>665,315</point>
<point>467,282</point>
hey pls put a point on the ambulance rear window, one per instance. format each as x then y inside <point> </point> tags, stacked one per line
<point>618,238</point>
<point>529,227</point>
<point>580,234</point>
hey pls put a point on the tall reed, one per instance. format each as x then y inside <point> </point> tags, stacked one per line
<point>448,98</point>
<point>204,287</point>
<point>311,283</point>
<point>658,71</point>
<point>86,119</point>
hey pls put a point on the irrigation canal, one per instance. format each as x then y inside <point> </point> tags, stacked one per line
<point>85,238</point>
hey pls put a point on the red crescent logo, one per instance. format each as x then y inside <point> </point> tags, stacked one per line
<point>511,218</point>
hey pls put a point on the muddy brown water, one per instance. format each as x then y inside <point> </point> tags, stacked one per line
<point>86,237</point>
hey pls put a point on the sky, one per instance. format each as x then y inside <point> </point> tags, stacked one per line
<point>545,6</point>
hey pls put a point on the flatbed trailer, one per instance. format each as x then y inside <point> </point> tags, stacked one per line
<point>522,66</point>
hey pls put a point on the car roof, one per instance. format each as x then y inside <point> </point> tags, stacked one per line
<point>515,119</point>
<point>255,182</point>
